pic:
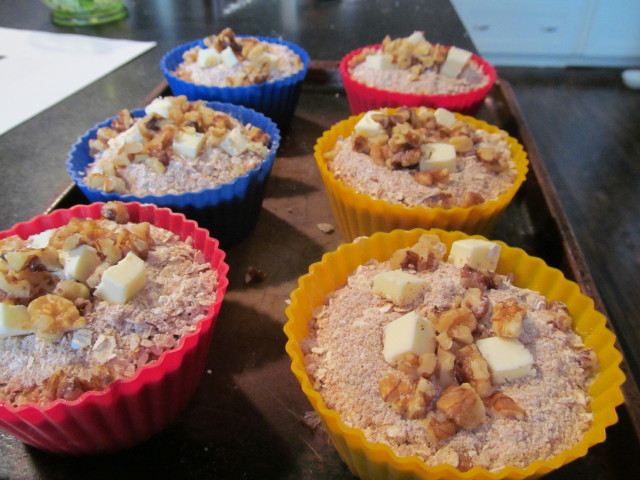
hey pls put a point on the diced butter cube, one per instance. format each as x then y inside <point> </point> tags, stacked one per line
<point>235,142</point>
<point>379,61</point>
<point>208,57</point>
<point>188,144</point>
<point>14,320</point>
<point>508,359</point>
<point>478,254</point>
<point>438,156</point>
<point>367,126</point>
<point>41,240</point>
<point>416,37</point>
<point>444,117</point>
<point>400,287</point>
<point>160,106</point>
<point>410,333</point>
<point>228,57</point>
<point>80,262</point>
<point>455,62</point>
<point>122,281</point>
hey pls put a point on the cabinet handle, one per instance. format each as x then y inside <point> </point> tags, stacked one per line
<point>549,29</point>
<point>481,28</point>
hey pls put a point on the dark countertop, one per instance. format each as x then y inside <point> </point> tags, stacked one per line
<point>580,119</point>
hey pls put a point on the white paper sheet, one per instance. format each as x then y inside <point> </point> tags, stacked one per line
<point>38,69</point>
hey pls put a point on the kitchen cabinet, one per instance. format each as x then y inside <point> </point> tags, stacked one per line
<point>554,33</point>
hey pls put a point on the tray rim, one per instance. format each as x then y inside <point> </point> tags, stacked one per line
<point>325,74</point>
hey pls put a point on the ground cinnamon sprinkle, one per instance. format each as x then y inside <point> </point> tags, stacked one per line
<point>343,356</point>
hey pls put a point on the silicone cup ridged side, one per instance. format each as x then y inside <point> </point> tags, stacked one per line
<point>128,411</point>
<point>229,210</point>
<point>363,97</point>
<point>358,214</point>
<point>377,461</point>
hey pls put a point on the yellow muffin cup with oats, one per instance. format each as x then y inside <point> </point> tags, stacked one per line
<point>377,461</point>
<point>358,214</point>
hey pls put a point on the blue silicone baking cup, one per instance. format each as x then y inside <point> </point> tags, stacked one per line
<point>276,99</point>
<point>229,211</point>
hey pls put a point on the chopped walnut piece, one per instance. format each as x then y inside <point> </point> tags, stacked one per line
<point>475,369</point>
<point>432,177</point>
<point>326,228</point>
<point>115,211</point>
<point>254,275</point>
<point>52,315</point>
<point>457,323</point>
<point>461,143</point>
<point>407,397</point>
<point>561,317</point>
<point>507,317</point>
<point>472,278</point>
<point>438,427</point>
<point>446,368</point>
<point>427,363</point>
<point>71,290</point>
<point>588,360</point>
<point>470,199</point>
<point>462,405</point>
<point>409,364</point>
<point>502,405</point>
<point>477,302</point>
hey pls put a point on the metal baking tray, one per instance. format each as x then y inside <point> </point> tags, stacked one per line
<point>249,417</point>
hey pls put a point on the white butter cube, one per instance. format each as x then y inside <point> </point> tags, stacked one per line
<point>367,126</point>
<point>438,156</point>
<point>478,254</point>
<point>208,57</point>
<point>160,106</point>
<point>416,37</point>
<point>80,262</point>
<point>455,62</point>
<point>409,333</point>
<point>508,359</point>
<point>229,57</point>
<point>188,144</point>
<point>379,61</point>
<point>41,240</point>
<point>123,280</point>
<point>235,142</point>
<point>14,320</point>
<point>400,287</point>
<point>444,117</point>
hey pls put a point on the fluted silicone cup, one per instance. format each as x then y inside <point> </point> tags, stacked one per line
<point>363,97</point>
<point>230,211</point>
<point>277,99</point>
<point>127,411</point>
<point>359,214</point>
<point>376,461</point>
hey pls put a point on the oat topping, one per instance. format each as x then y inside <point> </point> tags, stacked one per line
<point>444,402</point>
<point>229,61</point>
<point>413,157</point>
<point>177,146</point>
<point>414,65</point>
<point>58,339</point>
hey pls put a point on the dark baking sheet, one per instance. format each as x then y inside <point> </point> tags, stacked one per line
<point>249,418</point>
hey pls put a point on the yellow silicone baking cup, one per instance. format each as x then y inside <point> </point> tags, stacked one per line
<point>377,461</point>
<point>358,214</point>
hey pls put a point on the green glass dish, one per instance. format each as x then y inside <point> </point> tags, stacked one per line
<point>85,12</point>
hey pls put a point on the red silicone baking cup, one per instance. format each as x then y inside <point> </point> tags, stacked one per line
<point>363,98</point>
<point>129,410</point>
